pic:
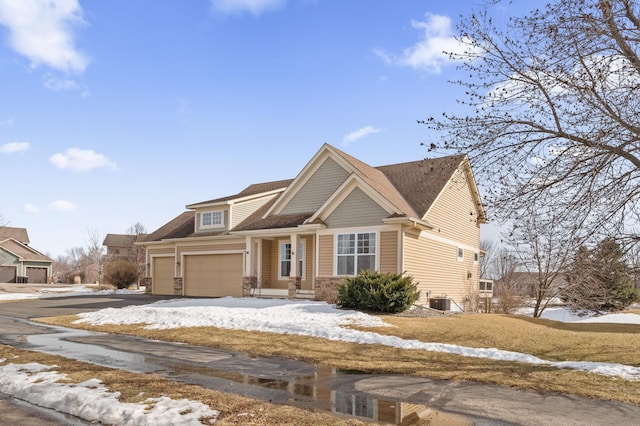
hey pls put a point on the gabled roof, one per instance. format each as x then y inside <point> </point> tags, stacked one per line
<point>407,189</point>
<point>420,182</point>
<point>22,251</point>
<point>254,189</point>
<point>179,227</point>
<point>119,240</point>
<point>18,234</point>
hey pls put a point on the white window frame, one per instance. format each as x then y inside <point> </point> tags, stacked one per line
<point>300,256</point>
<point>476,257</point>
<point>460,254</point>
<point>355,254</point>
<point>216,217</point>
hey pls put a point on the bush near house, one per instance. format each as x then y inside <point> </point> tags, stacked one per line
<point>373,291</point>
<point>121,273</point>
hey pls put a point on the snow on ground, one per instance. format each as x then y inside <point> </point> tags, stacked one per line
<point>92,401</point>
<point>75,290</point>
<point>562,314</point>
<point>316,319</point>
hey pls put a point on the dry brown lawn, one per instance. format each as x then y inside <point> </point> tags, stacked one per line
<point>550,340</point>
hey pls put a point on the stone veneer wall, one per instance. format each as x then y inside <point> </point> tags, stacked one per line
<point>327,288</point>
<point>295,284</point>
<point>177,286</point>
<point>247,284</point>
<point>147,282</point>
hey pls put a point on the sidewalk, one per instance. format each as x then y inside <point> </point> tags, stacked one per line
<point>30,288</point>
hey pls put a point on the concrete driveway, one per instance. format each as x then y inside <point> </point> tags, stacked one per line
<point>291,382</point>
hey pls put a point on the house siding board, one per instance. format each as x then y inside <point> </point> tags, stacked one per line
<point>243,210</point>
<point>435,267</point>
<point>267,247</point>
<point>326,179</point>
<point>389,252</point>
<point>222,246</point>
<point>451,213</point>
<point>325,256</point>
<point>161,251</point>
<point>357,209</point>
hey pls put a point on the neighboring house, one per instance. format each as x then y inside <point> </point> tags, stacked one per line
<point>525,283</point>
<point>20,263</point>
<point>300,238</point>
<point>121,246</point>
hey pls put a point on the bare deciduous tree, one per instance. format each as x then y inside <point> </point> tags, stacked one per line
<point>544,241</point>
<point>553,109</point>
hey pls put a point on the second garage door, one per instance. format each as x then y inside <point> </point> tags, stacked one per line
<point>213,275</point>
<point>37,275</point>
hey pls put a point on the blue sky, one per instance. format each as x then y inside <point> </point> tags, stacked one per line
<point>116,112</point>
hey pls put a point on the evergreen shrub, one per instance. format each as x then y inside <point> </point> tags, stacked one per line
<point>373,291</point>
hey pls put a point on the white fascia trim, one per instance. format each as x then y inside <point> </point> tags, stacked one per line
<point>413,222</point>
<point>305,174</point>
<point>352,182</point>
<point>272,232</point>
<point>203,239</point>
<point>233,201</point>
<point>453,243</point>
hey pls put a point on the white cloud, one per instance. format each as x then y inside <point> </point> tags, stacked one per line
<point>81,160</point>
<point>360,133</point>
<point>428,54</point>
<point>41,30</point>
<point>62,206</point>
<point>31,208</point>
<point>11,147</point>
<point>255,7</point>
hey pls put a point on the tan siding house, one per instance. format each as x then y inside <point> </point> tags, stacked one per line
<point>300,238</point>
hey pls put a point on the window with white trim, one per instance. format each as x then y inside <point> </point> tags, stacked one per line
<point>476,257</point>
<point>209,219</point>
<point>460,254</point>
<point>356,252</point>
<point>285,260</point>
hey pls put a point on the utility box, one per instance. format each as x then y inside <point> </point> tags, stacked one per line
<point>440,303</point>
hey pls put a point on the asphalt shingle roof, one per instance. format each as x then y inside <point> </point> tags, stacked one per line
<point>18,234</point>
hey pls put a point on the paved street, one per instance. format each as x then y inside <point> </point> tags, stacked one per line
<point>291,382</point>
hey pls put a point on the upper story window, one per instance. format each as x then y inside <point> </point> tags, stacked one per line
<point>211,219</point>
<point>356,252</point>
<point>460,254</point>
<point>476,257</point>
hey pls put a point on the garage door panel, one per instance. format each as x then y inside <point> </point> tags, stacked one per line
<point>37,275</point>
<point>8,274</point>
<point>163,272</point>
<point>213,275</point>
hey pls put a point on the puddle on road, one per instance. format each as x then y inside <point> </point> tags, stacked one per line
<point>314,387</point>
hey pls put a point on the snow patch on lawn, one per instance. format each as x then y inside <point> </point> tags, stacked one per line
<point>316,319</point>
<point>92,401</point>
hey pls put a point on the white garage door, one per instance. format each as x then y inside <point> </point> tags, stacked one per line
<point>213,275</point>
<point>163,272</point>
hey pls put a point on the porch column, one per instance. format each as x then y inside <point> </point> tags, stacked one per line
<point>249,280</point>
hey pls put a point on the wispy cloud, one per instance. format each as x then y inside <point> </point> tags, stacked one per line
<point>428,54</point>
<point>41,30</point>
<point>30,208</point>
<point>62,206</point>
<point>7,122</point>
<point>63,84</point>
<point>82,160</point>
<point>11,147</point>
<point>360,133</point>
<point>255,7</point>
